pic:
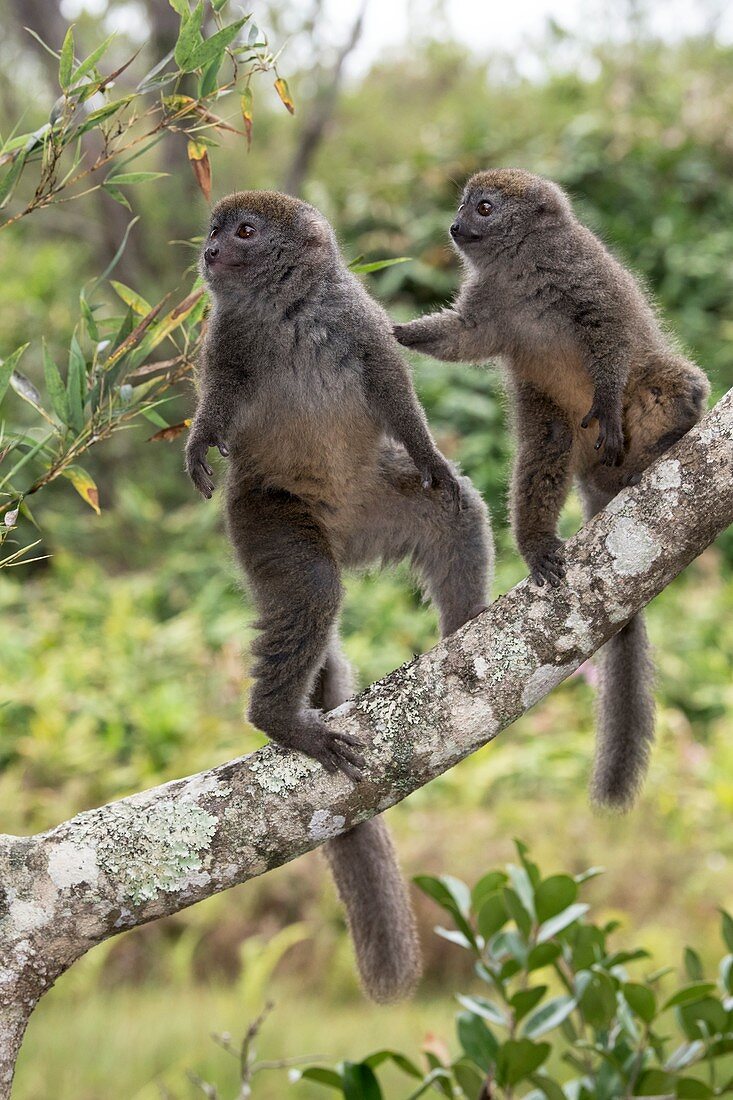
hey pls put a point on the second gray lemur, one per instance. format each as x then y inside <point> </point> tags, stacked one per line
<point>331,465</point>
<point>582,345</point>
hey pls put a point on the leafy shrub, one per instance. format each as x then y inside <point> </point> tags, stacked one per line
<point>558,1015</point>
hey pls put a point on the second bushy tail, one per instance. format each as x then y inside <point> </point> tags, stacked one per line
<point>625,717</point>
<point>369,880</point>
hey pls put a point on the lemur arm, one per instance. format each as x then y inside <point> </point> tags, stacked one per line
<point>219,394</point>
<point>605,342</point>
<point>394,403</point>
<point>447,336</point>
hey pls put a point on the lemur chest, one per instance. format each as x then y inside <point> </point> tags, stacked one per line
<point>307,434</point>
<point>557,372</point>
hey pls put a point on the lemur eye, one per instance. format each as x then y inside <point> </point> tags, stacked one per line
<point>484,208</point>
<point>244,231</point>
<point>214,231</point>
<point>461,207</point>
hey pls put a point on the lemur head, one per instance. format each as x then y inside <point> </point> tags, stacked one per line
<point>260,239</point>
<point>503,203</point>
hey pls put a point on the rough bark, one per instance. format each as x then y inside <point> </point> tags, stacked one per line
<point>138,859</point>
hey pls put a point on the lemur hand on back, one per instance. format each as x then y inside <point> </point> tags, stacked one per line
<point>331,465</point>
<point>598,392</point>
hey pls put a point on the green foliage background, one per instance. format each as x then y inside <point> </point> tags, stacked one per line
<point>124,652</point>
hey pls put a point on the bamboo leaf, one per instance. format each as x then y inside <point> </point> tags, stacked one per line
<point>55,387</point>
<point>205,53</point>
<point>10,180</point>
<point>117,195</point>
<point>89,62</point>
<point>75,385</point>
<point>66,59</point>
<point>246,106</point>
<point>170,432</point>
<point>7,367</point>
<point>84,485</point>
<point>25,389</point>
<point>189,37</point>
<point>135,301</point>
<point>199,158</point>
<point>134,177</point>
<point>377,265</point>
<point>282,89</point>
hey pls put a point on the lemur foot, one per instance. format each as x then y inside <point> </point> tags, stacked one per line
<point>336,751</point>
<point>546,563</point>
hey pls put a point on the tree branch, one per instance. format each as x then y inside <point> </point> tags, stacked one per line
<point>150,855</point>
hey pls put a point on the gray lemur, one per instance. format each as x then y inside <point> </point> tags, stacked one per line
<point>582,344</point>
<point>332,465</point>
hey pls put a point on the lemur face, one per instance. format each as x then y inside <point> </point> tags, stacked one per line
<point>477,217</point>
<point>502,203</point>
<point>256,231</point>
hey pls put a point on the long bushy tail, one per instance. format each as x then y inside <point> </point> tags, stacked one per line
<point>369,880</point>
<point>625,717</point>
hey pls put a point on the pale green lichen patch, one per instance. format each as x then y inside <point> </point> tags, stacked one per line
<point>632,547</point>
<point>413,703</point>
<point>278,770</point>
<point>509,653</point>
<point>207,783</point>
<point>152,849</point>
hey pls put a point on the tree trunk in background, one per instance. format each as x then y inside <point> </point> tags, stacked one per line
<point>321,112</point>
<point>153,854</point>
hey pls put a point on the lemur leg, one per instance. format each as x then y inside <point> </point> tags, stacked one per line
<point>296,585</point>
<point>447,336</point>
<point>334,683</point>
<point>625,717</point>
<point>451,551</point>
<point>540,481</point>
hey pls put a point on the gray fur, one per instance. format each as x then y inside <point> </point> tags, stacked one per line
<point>332,466</point>
<point>582,344</point>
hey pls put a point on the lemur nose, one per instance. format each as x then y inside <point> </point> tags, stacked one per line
<point>455,229</point>
<point>211,252</point>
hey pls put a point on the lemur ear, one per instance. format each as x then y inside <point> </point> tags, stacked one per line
<point>317,232</point>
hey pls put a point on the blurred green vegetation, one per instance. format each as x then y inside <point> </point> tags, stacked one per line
<point>124,652</point>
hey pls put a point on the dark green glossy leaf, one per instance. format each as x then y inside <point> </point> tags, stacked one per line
<point>553,895</point>
<point>689,993</point>
<point>359,1082</point>
<point>477,1041</point>
<point>693,965</point>
<point>492,915</point>
<point>654,1082</point>
<point>640,1000</point>
<point>518,1058</point>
